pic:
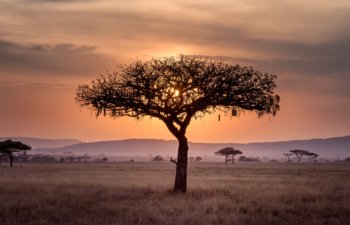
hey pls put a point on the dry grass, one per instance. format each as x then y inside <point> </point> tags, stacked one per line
<point>138,193</point>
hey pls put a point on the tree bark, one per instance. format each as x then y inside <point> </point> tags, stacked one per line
<point>226,159</point>
<point>180,185</point>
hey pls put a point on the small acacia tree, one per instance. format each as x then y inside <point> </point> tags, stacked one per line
<point>176,90</point>
<point>288,155</point>
<point>229,154</point>
<point>198,159</point>
<point>9,147</point>
<point>312,157</point>
<point>299,153</point>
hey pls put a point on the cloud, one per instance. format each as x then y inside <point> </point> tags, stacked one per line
<point>49,60</point>
<point>305,41</point>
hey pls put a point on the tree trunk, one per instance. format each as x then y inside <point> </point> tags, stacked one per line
<point>226,159</point>
<point>181,166</point>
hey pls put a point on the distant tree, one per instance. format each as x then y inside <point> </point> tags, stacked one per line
<point>198,159</point>
<point>176,90</point>
<point>288,155</point>
<point>104,159</point>
<point>299,153</point>
<point>158,158</point>
<point>43,158</point>
<point>229,154</point>
<point>191,159</point>
<point>10,147</point>
<point>248,159</point>
<point>69,159</point>
<point>312,157</point>
<point>347,159</point>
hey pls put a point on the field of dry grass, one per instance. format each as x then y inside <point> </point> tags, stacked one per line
<point>138,193</point>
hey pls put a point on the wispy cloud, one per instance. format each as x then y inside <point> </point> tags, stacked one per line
<point>38,85</point>
<point>61,59</point>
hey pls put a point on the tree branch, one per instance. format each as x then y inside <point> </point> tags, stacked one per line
<point>173,160</point>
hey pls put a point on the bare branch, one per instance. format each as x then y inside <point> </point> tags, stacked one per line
<point>173,160</point>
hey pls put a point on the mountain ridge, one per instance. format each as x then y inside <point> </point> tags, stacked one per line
<point>44,142</point>
<point>331,148</point>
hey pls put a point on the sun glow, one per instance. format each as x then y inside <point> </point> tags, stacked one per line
<point>176,93</point>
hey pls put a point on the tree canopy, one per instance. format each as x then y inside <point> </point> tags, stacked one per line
<point>229,153</point>
<point>299,153</point>
<point>178,89</point>
<point>9,147</point>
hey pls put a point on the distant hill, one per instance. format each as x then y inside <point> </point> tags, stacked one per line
<point>43,143</point>
<point>331,148</point>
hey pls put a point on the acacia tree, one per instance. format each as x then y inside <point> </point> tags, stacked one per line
<point>299,153</point>
<point>176,90</point>
<point>198,159</point>
<point>288,155</point>
<point>229,154</point>
<point>312,156</point>
<point>9,147</point>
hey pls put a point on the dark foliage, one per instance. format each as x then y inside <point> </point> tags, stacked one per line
<point>312,157</point>
<point>198,159</point>
<point>229,154</point>
<point>248,159</point>
<point>10,147</point>
<point>43,158</point>
<point>288,155</point>
<point>157,158</point>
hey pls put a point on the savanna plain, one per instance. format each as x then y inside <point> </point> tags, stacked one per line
<point>140,193</point>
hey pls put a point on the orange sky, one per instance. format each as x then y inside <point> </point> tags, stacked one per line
<point>49,47</point>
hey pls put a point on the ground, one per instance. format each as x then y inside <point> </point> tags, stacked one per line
<point>139,193</point>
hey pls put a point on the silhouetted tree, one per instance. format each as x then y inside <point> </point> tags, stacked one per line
<point>176,90</point>
<point>248,159</point>
<point>158,158</point>
<point>229,154</point>
<point>198,159</point>
<point>288,155</point>
<point>43,158</point>
<point>9,147</point>
<point>347,159</point>
<point>299,153</point>
<point>312,156</point>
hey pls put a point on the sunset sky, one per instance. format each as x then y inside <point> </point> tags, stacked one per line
<point>49,47</point>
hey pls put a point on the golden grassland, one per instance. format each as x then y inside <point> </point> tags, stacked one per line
<point>139,193</point>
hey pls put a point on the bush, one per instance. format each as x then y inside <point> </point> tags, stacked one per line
<point>158,158</point>
<point>248,159</point>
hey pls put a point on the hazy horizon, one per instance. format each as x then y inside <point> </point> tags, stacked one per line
<point>125,139</point>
